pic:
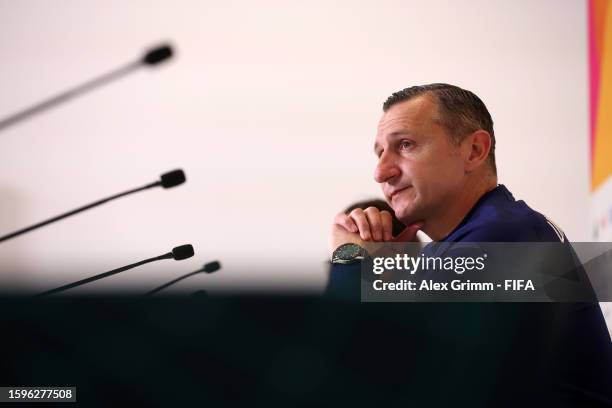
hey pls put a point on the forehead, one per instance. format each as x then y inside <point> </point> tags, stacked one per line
<point>409,115</point>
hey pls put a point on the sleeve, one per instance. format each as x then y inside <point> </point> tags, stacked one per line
<point>345,281</point>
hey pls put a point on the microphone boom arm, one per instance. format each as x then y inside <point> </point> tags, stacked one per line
<point>153,56</point>
<point>104,275</point>
<point>172,282</point>
<point>65,96</point>
<point>76,211</point>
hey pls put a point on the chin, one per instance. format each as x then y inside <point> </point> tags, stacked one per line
<point>408,214</point>
<point>404,214</point>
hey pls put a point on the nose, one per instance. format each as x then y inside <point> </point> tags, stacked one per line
<point>386,169</point>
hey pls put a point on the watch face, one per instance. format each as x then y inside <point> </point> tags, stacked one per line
<point>348,252</point>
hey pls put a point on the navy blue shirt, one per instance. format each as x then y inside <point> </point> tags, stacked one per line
<point>498,217</point>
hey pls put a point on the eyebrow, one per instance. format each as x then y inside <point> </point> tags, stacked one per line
<point>392,135</point>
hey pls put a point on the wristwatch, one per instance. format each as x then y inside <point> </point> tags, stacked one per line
<point>348,253</point>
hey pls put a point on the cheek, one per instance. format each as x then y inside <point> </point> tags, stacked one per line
<point>446,165</point>
<point>432,170</point>
<point>433,179</point>
<point>426,175</point>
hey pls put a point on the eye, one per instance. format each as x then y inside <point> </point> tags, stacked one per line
<point>406,144</point>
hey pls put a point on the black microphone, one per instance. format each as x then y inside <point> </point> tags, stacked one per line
<point>207,268</point>
<point>167,180</point>
<point>150,58</point>
<point>172,178</point>
<point>178,253</point>
<point>157,55</point>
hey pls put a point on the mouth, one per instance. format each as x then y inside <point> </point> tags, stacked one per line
<point>396,192</point>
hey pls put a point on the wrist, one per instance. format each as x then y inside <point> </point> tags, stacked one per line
<point>348,253</point>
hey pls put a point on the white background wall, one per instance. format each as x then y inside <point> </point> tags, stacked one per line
<point>271,109</point>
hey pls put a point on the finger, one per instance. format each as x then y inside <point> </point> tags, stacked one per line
<point>359,217</point>
<point>409,233</point>
<point>387,225</point>
<point>346,222</point>
<point>375,221</point>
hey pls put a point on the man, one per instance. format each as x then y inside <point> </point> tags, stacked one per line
<point>436,165</point>
<point>436,150</point>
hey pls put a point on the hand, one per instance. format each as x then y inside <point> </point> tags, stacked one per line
<point>369,225</point>
<point>340,234</point>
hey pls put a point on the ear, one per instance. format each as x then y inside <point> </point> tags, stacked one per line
<point>477,147</point>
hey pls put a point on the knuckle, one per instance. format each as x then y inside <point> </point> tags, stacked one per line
<point>340,218</point>
<point>356,211</point>
<point>387,218</point>
<point>371,210</point>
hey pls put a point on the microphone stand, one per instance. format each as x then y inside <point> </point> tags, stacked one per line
<point>167,180</point>
<point>76,211</point>
<point>63,97</point>
<point>207,268</point>
<point>172,282</point>
<point>169,255</point>
<point>152,57</point>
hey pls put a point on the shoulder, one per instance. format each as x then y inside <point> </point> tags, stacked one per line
<point>510,223</point>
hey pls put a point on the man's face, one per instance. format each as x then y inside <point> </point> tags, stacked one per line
<point>421,171</point>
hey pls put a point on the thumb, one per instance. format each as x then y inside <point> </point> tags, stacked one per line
<point>409,233</point>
